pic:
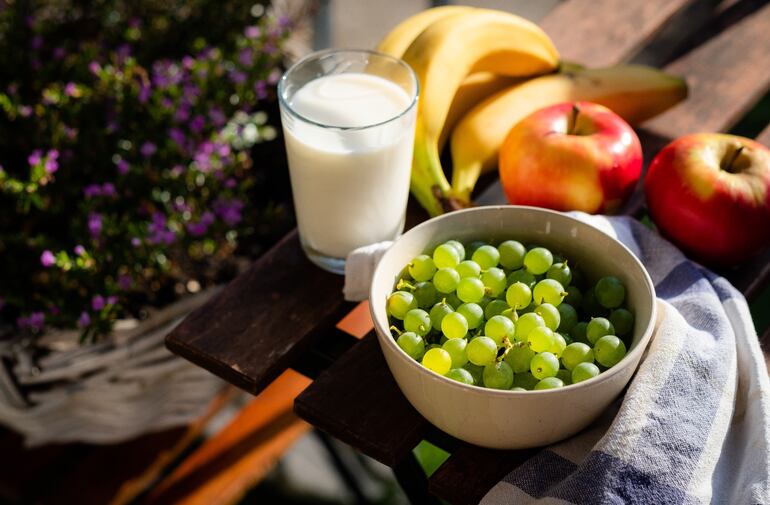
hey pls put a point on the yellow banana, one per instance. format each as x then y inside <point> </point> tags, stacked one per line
<point>443,55</point>
<point>401,37</point>
<point>634,92</point>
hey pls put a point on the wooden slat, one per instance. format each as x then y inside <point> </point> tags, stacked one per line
<point>470,472</point>
<point>228,464</point>
<point>726,76</point>
<point>357,401</point>
<point>606,32</point>
<point>257,325</point>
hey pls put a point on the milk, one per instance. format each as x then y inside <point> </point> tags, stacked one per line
<point>350,181</point>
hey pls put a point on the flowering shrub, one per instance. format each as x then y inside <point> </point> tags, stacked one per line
<point>127,137</point>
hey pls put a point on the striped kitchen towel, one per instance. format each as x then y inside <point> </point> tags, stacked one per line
<point>694,424</point>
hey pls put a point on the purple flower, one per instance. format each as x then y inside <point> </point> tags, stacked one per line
<point>122,166</point>
<point>94,224</point>
<point>112,300</point>
<point>166,102</point>
<point>136,241</point>
<point>108,189</point>
<point>177,170</point>
<point>144,93</point>
<point>148,149</point>
<point>59,53</point>
<point>191,93</point>
<point>84,320</point>
<point>159,233</point>
<point>97,302</point>
<point>230,183</point>
<point>47,259</point>
<point>284,22</point>
<point>260,88</point>
<point>94,67</point>
<point>252,32</point>
<point>54,310</point>
<point>37,42</point>
<point>201,227</point>
<point>35,321</point>
<point>237,77</point>
<point>223,150</point>
<point>124,281</point>
<point>123,52</point>
<point>269,48</point>
<point>182,114</point>
<point>80,250</point>
<point>51,165</point>
<point>217,117</point>
<point>35,158</point>
<point>246,57</point>
<point>71,89</point>
<point>177,136</point>
<point>229,211</point>
<point>274,77</point>
<point>197,124</point>
<point>92,190</point>
<point>188,62</point>
<point>25,110</point>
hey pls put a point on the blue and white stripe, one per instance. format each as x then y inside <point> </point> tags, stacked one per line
<point>694,424</point>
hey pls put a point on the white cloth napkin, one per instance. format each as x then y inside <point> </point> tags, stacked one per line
<point>359,269</point>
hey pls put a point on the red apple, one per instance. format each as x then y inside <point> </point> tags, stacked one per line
<point>710,194</point>
<point>571,156</point>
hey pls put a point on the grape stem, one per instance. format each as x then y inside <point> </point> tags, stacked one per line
<point>396,330</point>
<point>403,284</point>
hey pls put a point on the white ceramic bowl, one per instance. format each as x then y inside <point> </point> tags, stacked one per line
<point>510,419</point>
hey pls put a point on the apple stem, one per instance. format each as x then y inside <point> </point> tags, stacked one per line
<point>729,166</point>
<point>573,125</point>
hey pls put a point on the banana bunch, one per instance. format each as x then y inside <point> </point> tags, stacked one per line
<point>480,72</point>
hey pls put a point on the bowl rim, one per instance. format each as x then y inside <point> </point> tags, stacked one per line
<point>630,356</point>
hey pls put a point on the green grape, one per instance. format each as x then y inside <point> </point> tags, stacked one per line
<point>574,297</point>
<point>460,375</point>
<point>498,376</point>
<point>597,328</point>
<point>544,365</point>
<point>422,268</point>
<point>610,292</point>
<point>494,282</point>
<point>486,256</point>
<point>473,313</point>
<point>561,273</point>
<point>525,324</point>
<point>549,383</point>
<point>548,291</point>
<point>558,345</point>
<point>576,353</point>
<point>518,295</point>
<point>584,371</point>
<point>437,314</point>
<point>495,308</point>
<point>412,344</point>
<point>456,349</point>
<point>470,290</point>
<point>540,339</point>
<point>499,328</point>
<point>425,293</point>
<point>565,376</point>
<point>550,315</point>
<point>476,372</point>
<point>519,357</point>
<point>568,317</point>
<point>446,279</point>
<point>512,254</point>
<point>454,325</point>
<point>521,276</point>
<point>578,332</point>
<point>468,268</point>
<point>451,299</point>
<point>446,256</point>
<point>484,302</point>
<point>472,247</point>
<point>438,360</point>
<point>622,320</point>
<point>399,303</point>
<point>481,351</point>
<point>517,388</point>
<point>566,337</point>
<point>609,350</point>
<point>538,260</point>
<point>417,321</point>
<point>457,245</point>
<point>525,380</point>
<point>590,304</point>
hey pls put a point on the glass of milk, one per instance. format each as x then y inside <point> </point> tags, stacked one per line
<point>348,121</point>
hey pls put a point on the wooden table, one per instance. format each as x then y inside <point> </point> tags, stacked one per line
<point>283,312</point>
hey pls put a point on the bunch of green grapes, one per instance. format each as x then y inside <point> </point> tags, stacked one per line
<point>508,316</point>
